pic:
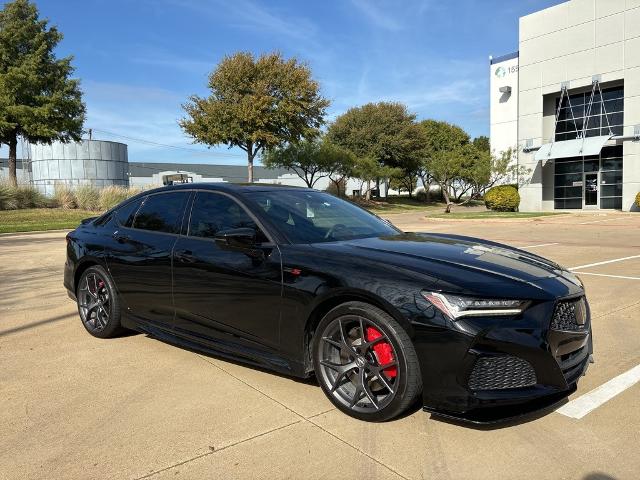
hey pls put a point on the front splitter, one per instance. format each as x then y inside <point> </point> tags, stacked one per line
<point>507,414</point>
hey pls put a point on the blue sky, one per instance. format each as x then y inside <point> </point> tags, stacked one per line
<point>140,60</point>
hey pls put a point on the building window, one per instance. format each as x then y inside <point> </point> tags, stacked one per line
<point>568,183</point>
<point>611,177</point>
<point>575,113</point>
<point>572,173</point>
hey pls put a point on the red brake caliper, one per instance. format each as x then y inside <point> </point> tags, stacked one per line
<point>383,351</point>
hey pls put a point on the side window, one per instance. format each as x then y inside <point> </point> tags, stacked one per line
<point>103,220</point>
<point>212,213</point>
<point>125,214</point>
<point>162,212</point>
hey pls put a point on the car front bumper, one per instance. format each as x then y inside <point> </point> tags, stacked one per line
<point>487,370</point>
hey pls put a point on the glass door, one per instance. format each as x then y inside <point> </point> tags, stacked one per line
<point>591,190</point>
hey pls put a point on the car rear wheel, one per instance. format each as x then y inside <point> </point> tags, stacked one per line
<point>98,303</point>
<point>365,362</point>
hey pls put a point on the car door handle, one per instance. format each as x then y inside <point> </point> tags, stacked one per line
<point>185,256</point>
<point>121,238</point>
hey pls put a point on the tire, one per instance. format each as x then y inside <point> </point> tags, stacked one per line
<point>373,376</point>
<point>98,303</point>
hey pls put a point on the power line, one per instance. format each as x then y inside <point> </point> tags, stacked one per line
<point>164,145</point>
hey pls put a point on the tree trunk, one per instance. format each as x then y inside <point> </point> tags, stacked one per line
<point>426,187</point>
<point>13,147</point>
<point>309,179</point>
<point>250,167</point>
<point>445,193</point>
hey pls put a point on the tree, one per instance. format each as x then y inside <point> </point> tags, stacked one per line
<point>482,143</point>
<point>503,170</point>
<point>256,104</point>
<point>368,170</point>
<point>474,174</point>
<point>38,100</point>
<point>382,132</point>
<point>311,160</point>
<point>444,153</point>
<point>343,162</point>
<point>407,180</point>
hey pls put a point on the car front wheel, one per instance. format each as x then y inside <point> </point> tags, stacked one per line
<point>365,362</point>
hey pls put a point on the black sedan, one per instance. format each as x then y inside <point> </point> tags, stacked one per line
<point>301,282</point>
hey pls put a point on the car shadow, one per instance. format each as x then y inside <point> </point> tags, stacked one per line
<point>311,380</point>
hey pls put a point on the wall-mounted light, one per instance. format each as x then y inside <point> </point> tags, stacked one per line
<point>506,89</point>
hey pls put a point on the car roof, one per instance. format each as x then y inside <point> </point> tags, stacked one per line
<point>229,187</point>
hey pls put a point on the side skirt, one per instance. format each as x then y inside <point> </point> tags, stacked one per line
<point>227,349</point>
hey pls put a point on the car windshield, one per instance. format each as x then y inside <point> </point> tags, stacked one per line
<point>311,217</point>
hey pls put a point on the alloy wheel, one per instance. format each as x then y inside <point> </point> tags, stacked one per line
<point>358,364</point>
<point>94,301</point>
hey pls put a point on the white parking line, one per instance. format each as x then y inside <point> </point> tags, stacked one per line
<point>540,245</point>
<point>588,402</point>
<point>604,263</point>
<point>610,276</point>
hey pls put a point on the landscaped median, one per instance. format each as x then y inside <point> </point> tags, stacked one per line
<point>491,214</point>
<point>24,209</point>
<point>34,219</point>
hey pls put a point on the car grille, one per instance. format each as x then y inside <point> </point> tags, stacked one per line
<point>570,315</point>
<point>500,372</point>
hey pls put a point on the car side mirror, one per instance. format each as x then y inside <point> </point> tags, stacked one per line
<point>239,239</point>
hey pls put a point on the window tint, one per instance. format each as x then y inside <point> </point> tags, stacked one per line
<point>162,212</point>
<point>212,213</point>
<point>103,220</point>
<point>309,217</point>
<point>125,214</point>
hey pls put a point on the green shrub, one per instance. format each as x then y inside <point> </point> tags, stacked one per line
<point>421,195</point>
<point>87,197</point>
<point>503,198</point>
<point>28,196</point>
<point>63,197</point>
<point>638,199</point>
<point>22,196</point>
<point>7,197</point>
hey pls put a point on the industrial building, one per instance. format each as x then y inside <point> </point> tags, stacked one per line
<point>568,104</point>
<point>144,174</point>
<point>102,163</point>
<point>89,162</point>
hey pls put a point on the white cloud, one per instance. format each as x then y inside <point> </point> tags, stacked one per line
<point>177,62</point>
<point>377,15</point>
<point>253,15</point>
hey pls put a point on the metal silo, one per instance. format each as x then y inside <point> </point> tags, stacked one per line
<point>89,162</point>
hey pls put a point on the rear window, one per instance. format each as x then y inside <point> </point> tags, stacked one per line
<point>162,212</point>
<point>125,214</point>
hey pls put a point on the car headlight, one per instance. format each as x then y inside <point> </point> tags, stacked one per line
<point>457,306</point>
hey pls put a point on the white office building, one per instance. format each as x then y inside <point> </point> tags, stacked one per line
<point>568,103</point>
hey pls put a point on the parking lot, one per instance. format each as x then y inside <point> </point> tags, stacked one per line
<point>134,407</point>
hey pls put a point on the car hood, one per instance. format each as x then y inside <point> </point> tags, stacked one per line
<point>464,263</point>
